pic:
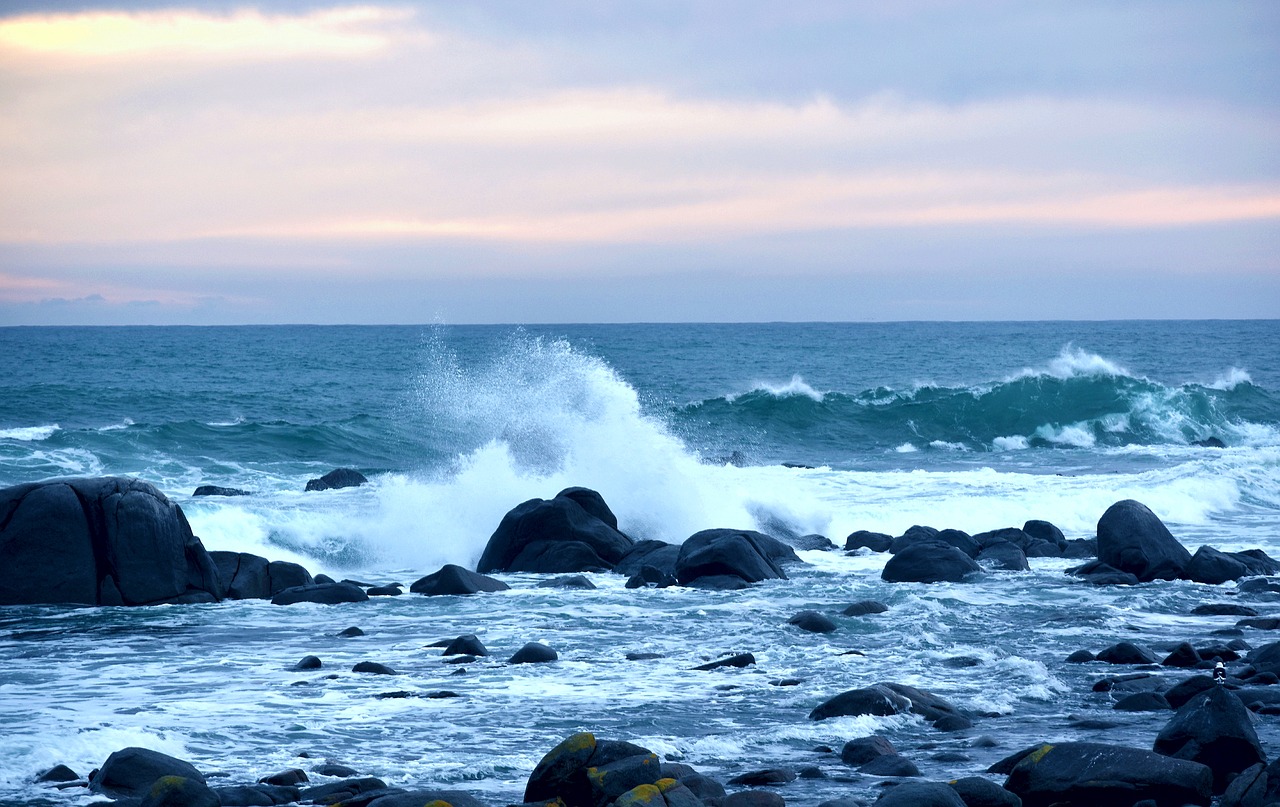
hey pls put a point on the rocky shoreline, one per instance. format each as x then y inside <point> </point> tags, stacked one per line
<point>120,542</point>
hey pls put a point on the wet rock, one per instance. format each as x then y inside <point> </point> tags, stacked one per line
<point>929,561</point>
<point>336,769</point>
<point>864,607</point>
<point>1004,556</point>
<point>1100,574</point>
<point>1133,682</point>
<point>533,653</point>
<point>322,593</point>
<point>455,580</point>
<point>130,772</point>
<point>255,795</point>
<point>1143,702</point>
<point>1249,789</point>
<point>574,581</point>
<point>307,663</point>
<point>58,773</point>
<point>99,541</point>
<point>651,576</point>
<point>920,794</point>
<point>753,798</point>
<point>657,554</point>
<point>215,490</point>
<point>373,668</point>
<point>466,645</point>
<point>1080,657</point>
<point>719,582</point>
<point>745,554</point>
<point>392,590</point>
<point>336,792</point>
<point>573,532</point>
<point>862,750</point>
<point>350,633</point>
<point>565,772</point>
<point>813,622</point>
<point>1045,531</point>
<point>286,778</point>
<point>889,765</point>
<point>338,478</point>
<point>1184,655</point>
<point>1102,775</point>
<point>738,660</point>
<point>1127,653</point>
<point>875,541</point>
<point>768,777</point>
<point>1223,609</point>
<point>1258,585</point>
<point>975,791</point>
<point>1133,539</point>
<point>1260,623</point>
<point>811,542</point>
<point>179,791</point>
<point>1179,694</point>
<point>1214,729</point>
<point>891,699</point>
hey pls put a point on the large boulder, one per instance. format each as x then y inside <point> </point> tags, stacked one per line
<point>1208,565</point>
<point>251,577</point>
<point>1214,729</point>
<point>99,541</point>
<point>1133,539</point>
<point>920,794</point>
<point>130,772</point>
<point>556,535</point>
<point>658,555</point>
<point>929,561</point>
<point>747,555</point>
<point>1101,775</point>
<point>584,772</point>
<point>322,593</point>
<point>453,579</point>
<point>890,699</point>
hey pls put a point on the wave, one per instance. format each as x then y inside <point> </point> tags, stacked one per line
<point>30,434</point>
<point>1077,400</point>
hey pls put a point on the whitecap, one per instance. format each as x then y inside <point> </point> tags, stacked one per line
<point>1232,378</point>
<point>1074,362</point>
<point>795,388</point>
<point>1013,442</point>
<point>906,448</point>
<point>30,434</point>
<point>1077,435</point>
<point>945,446</point>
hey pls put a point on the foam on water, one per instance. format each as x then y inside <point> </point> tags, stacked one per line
<point>29,434</point>
<point>1073,362</point>
<point>795,388</point>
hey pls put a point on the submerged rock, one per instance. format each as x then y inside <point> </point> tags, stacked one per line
<point>215,490</point>
<point>864,607</point>
<point>533,653</point>
<point>813,622</point>
<point>323,593</point>
<point>338,478</point>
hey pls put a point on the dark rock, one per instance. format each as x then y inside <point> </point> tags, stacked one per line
<point>335,792</point>
<point>335,769</point>
<point>864,607</point>
<point>1080,657</point>
<point>1179,694</point>
<point>1143,702</point>
<point>1127,653</point>
<point>1102,775</point>
<point>384,591</point>
<point>466,645</point>
<point>1258,585</point>
<point>373,667</point>
<point>811,542</point>
<point>533,653</point>
<point>1135,682</point>
<point>307,663</point>
<point>1223,609</point>
<point>644,656</point>
<point>962,662</point>
<point>179,791</point>
<point>285,575</point>
<point>338,478</point>
<point>1081,548</point>
<point>130,772</point>
<point>890,699</point>
<point>1214,729</point>
<point>651,576</point>
<point>975,791</point>
<point>1005,556</point>
<point>1045,531</point>
<point>321,578</point>
<point>658,554</point>
<point>1249,789</point>
<point>1100,574</point>
<point>99,541</point>
<point>875,541</point>
<point>455,580</point>
<point>1209,442</point>
<point>555,536</point>
<point>564,772</point>
<point>813,622</point>
<point>323,593</point>
<point>913,534</point>
<point>920,794</point>
<point>1133,539</point>
<point>285,778</point>
<point>214,490</point>
<point>753,798</point>
<point>350,633</point>
<point>750,556</point>
<point>890,765</point>
<point>719,582</point>
<point>1184,655</point>
<point>1260,623</point>
<point>244,576</point>
<point>862,750</point>
<point>397,695</point>
<point>1005,766</point>
<point>575,581</point>
<point>771,776</point>
<point>463,659</point>
<point>394,797</point>
<point>58,773</point>
<point>739,660</point>
<point>255,795</point>
<point>1210,566</point>
<point>929,562</point>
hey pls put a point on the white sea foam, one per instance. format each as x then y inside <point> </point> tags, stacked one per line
<point>1014,442</point>
<point>30,434</point>
<point>1231,379</point>
<point>795,388</point>
<point>115,427</point>
<point>1074,362</point>
<point>906,448</point>
<point>943,445</point>
<point>1077,435</point>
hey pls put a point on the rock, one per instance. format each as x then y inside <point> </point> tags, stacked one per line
<point>1179,694</point>
<point>1081,548</point>
<point>889,765</point>
<point>1081,657</point>
<point>323,593</point>
<point>256,795</point>
<point>1259,585</point>
<point>1126,653</point>
<point>1143,702</point>
<point>373,668</point>
<point>719,582</point>
<point>862,750</point>
<point>1004,556</point>
<point>336,792</point>
<point>307,663</point>
<point>392,590</point>
<point>666,792</point>
<point>811,542</point>
<point>920,794</point>
<point>1210,566</point>
<point>1223,609</point>
<point>180,791</point>
<point>863,607</point>
<point>875,541</point>
<point>1136,682</point>
<point>1209,442</point>
<point>99,541</point>
<point>651,576</point>
<point>739,660</point>
<point>130,772</point>
<point>1214,729</point>
<point>456,580</point>
<point>565,772</point>
<point>336,769</point>
<point>58,773</point>
<point>251,577</point>
<point>770,776</point>
<point>1133,539</point>
<point>891,699</point>
<point>813,622</point>
<point>1184,655</point>
<point>748,555</point>
<point>214,490</point>
<point>338,478</point>
<point>575,581</point>
<point>1045,531</point>
<point>914,533</point>
<point>1260,622</point>
<point>350,633</point>
<point>975,791</point>
<point>1103,775</point>
<point>285,778</point>
<point>533,653</point>
<point>657,554</point>
<point>929,562</point>
<point>1249,789</point>
<point>1100,574</point>
<point>555,536</point>
<point>753,798</point>
<point>466,645</point>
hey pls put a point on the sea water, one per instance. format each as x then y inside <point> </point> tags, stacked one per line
<point>791,429</point>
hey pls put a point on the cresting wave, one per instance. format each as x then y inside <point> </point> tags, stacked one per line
<point>1079,400</point>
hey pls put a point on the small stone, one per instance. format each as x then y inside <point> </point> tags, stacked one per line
<point>374,668</point>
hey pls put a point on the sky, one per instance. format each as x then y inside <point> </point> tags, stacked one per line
<point>588,161</point>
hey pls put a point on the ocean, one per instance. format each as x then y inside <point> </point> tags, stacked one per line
<point>791,429</point>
